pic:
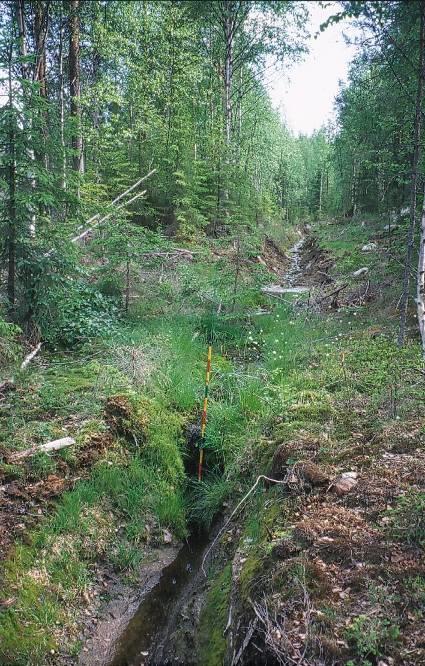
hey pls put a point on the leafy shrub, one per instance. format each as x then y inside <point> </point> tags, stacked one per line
<point>370,635</point>
<point>111,286</point>
<point>72,315</point>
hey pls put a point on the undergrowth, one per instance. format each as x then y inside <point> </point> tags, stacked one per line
<point>280,376</point>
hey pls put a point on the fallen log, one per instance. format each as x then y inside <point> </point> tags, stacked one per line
<point>106,217</point>
<point>96,220</point>
<point>54,445</point>
<point>169,254</point>
<point>27,360</point>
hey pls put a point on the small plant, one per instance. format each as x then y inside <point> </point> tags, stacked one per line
<point>42,465</point>
<point>207,498</point>
<point>127,557</point>
<point>369,635</point>
<point>407,518</point>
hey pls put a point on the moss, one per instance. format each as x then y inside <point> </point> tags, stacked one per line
<point>247,578</point>
<point>213,620</point>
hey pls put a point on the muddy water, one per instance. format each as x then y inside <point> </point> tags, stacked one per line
<point>146,639</point>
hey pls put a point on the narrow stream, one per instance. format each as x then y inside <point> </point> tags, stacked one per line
<point>145,637</point>
<point>148,638</point>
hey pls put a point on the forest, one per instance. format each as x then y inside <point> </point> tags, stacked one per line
<point>212,337</point>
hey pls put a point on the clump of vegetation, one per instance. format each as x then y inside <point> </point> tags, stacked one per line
<point>9,344</point>
<point>407,518</point>
<point>371,636</point>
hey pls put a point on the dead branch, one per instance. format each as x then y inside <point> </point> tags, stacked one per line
<point>106,217</point>
<point>172,253</point>
<point>9,384</point>
<point>249,634</point>
<point>333,293</point>
<point>54,445</point>
<point>94,221</point>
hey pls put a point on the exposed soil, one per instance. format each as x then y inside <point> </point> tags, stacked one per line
<point>306,268</point>
<point>275,260</point>
<point>24,501</point>
<point>103,624</point>
<point>355,561</point>
<point>315,263</point>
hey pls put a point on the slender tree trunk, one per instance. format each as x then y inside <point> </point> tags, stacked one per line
<point>25,74</point>
<point>354,189</point>
<point>170,104</point>
<point>41,19</point>
<point>414,179</point>
<point>127,284</point>
<point>320,192</point>
<point>237,271</point>
<point>228,22</point>
<point>420,298</point>
<point>20,18</point>
<point>74,84</point>
<point>228,77</point>
<point>62,104</point>
<point>11,240</point>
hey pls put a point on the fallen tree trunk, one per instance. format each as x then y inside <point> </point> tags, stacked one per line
<point>106,217</point>
<point>333,293</point>
<point>54,445</point>
<point>96,220</point>
<point>175,252</point>
<point>27,360</point>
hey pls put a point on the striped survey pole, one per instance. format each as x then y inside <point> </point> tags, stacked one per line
<point>204,414</point>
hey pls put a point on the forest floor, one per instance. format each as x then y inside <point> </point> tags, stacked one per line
<point>309,388</point>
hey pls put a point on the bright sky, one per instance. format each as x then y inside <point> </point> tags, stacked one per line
<point>305,95</point>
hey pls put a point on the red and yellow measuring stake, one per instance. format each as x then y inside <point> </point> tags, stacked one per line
<point>204,414</point>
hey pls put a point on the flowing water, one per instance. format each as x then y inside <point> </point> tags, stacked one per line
<point>146,637</point>
<point>293,277</point>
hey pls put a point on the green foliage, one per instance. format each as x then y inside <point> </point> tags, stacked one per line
<point>77,313</point>
<point>9,347</point>
<point>41,465</point>
<point>207,497</point>
<point>407,518</point>
<point>126,557</point>
<point>371,635</point>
